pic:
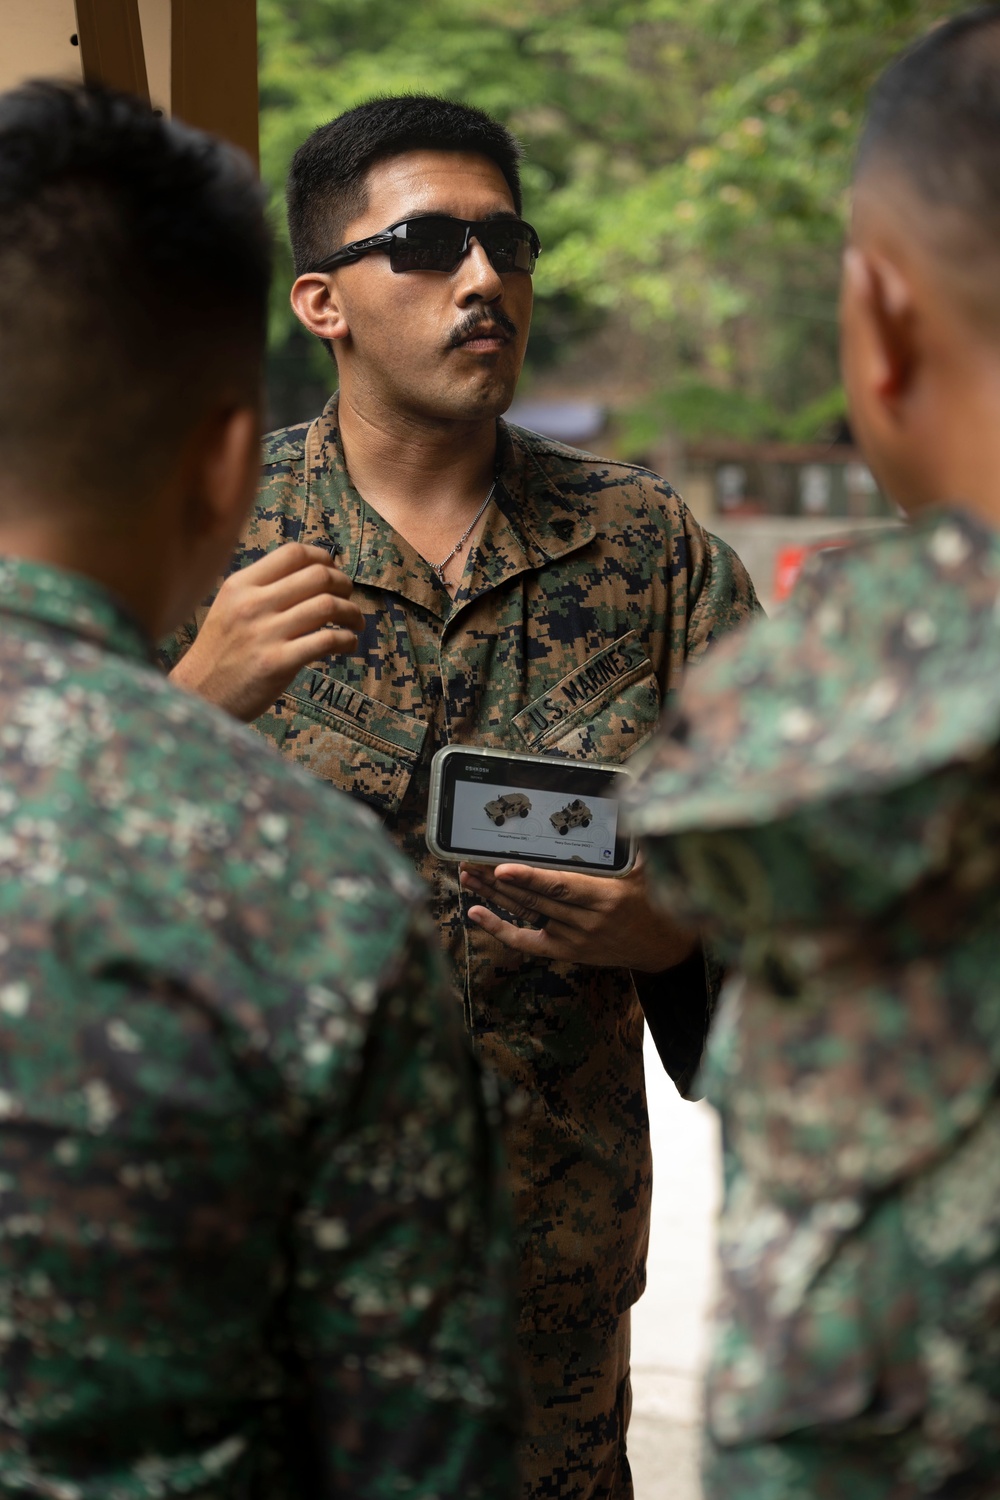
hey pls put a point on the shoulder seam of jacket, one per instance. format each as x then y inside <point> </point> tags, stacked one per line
<point>538,442</point>
<point>281,438</point>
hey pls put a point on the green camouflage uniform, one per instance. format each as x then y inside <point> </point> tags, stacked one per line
<point>253,1237</point>
<point>830,798</point>
<point>590,587</point>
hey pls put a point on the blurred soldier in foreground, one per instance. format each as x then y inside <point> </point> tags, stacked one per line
<point>249,1232</point>
<point>830,797</point>
<point>517,593</point>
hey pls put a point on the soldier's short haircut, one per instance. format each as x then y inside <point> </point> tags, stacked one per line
<point>328,178</point>
<point>935,115</point>
<point>135,263</point>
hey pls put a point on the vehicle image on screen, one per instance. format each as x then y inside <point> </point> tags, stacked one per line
<point>512,805</point>
<point>575,814</point>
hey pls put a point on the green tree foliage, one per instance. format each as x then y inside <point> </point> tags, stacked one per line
<point>687,166</point>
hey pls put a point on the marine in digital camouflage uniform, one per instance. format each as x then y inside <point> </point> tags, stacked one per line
<point>254,1238</point>
<point>591,587</point>
<point>561,628</point>
<point>827,799</point>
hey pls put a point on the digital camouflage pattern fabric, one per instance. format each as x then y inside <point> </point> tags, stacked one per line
<point>829,797</point>
<point>253,1238</point>
<point>590,588</point>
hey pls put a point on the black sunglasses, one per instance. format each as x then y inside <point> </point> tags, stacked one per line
<point>438,243</point>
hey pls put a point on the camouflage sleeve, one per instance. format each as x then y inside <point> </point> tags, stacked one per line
<point>402,1313</point>
<point>721,596</point>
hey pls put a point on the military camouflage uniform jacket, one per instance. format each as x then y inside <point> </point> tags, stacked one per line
<point>252,1238</point>
<point>590,588</point>
<point>830,796</point>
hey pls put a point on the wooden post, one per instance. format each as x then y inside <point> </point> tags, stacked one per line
<point>214,68</point>
<point>196,59</point>
<point>111,44</point>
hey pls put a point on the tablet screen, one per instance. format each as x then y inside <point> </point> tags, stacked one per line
<point>542,811</point>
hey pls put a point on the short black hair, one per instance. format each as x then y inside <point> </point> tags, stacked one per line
<point>135,264</point>
<point>327,180</point>
<point>935,114</point>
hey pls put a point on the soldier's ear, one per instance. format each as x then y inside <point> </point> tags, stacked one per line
<point>230,466</point>
<point>879,328</point>
<point>204,506</point>
<point>317,306</point>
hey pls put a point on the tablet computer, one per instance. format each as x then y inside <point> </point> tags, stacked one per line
<point>491,806</point>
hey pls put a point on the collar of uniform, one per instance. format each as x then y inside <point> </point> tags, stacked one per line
<point>365,546</point>
<point>71,602</point>
<point>531,522</point>
<point>552,520</point>
<point>534,520</point>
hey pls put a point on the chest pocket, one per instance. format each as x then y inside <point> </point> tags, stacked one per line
<point>364,747</point>
<point>602,710</point>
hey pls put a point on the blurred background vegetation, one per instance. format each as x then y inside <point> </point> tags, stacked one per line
<point>687,169</point>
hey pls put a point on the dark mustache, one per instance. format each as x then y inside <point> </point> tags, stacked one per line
<point>474,321</point>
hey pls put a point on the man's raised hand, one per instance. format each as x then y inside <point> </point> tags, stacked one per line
<point>269,621</point>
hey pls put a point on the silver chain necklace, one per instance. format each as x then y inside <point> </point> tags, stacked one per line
<point>440,567</point>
